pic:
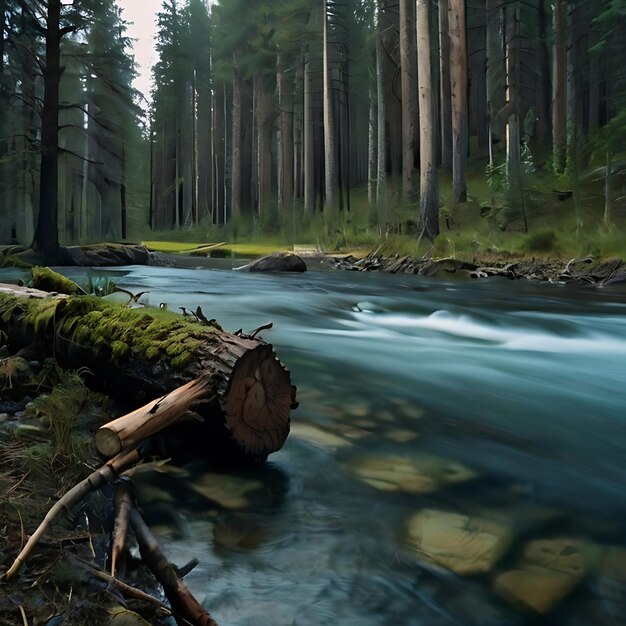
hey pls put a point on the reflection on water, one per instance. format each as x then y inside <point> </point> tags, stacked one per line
<point>458,457</point>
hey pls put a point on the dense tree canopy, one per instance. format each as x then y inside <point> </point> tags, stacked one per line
<point>269,115</point>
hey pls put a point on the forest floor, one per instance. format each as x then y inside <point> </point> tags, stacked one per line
<point>542,226</point>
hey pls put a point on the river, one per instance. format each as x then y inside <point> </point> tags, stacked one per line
<point>448,433</point>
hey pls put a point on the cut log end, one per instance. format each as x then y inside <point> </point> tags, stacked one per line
<point>258,401</point>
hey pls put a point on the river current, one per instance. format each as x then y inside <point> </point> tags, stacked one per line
<point>460,448</point>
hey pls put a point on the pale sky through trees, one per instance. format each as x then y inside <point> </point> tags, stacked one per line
<point>141,15</point>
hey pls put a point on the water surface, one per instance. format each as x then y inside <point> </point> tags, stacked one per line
<point>487,400</point>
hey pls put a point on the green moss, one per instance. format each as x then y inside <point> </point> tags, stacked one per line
<point>121,332</point>
<point>115,331</point>
<point>48,280</point>
<point>119,348</point>
<point>38,313</point>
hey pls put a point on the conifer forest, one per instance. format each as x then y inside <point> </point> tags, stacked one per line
<point>306,118</point>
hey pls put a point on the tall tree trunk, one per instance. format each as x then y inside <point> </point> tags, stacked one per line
<point>264,113</point>
<point>4,177</point>
<point>513,144</point>
<point>407,85</point>
<point>195,218</point>
<point>371,144</point>
<point>235,175</point>
<point>573,110</point>
<point>298,129</point>
<point>285,121</point>
<point>559,106</point>
<point>543,126</point>
<point>608,190</point>
<point>495,75</point>
<point>309,149</point>
<point>46,239</point>
<point>429,192</point>
<point>330,157</point>
<point>458,84</point>
<point>381,139</point>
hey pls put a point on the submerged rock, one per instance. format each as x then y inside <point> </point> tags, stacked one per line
<point>316,434</point>
<point>464,544</point>
<point>423,473</point>
<point>230,492</point>
<point>547,573</point>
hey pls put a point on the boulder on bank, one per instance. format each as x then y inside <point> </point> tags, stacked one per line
<point>95,255</point>
<point>107,254</point>
<point>277,262</point>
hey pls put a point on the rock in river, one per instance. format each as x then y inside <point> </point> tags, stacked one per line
<point>464,544</point>
<point>277,262</point>
<point>548,571</point>
<point>422,473</point>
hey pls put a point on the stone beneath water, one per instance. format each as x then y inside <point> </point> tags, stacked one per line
<point>277,262</point>
<point>548,572</point>
<point>317,435</point>
<point>464,544</point>
<point>230,492</point>
<point>415,474</point>
<point>610,584</point>
<point>400,435</point>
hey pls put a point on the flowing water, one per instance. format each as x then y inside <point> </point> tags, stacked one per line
<point>460,448</point>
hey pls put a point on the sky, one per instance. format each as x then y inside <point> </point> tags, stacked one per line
<point>142,14</point>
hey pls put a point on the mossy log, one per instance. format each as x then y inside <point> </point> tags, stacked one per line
<point>137,354</point>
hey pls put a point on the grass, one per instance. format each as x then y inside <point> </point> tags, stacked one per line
<point>489,224</point>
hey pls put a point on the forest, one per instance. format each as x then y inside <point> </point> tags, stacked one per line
<point>329,123</point>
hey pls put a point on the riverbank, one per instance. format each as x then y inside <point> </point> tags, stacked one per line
<point>600,272</point>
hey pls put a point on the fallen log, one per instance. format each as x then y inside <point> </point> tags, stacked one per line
<point>136,354</point>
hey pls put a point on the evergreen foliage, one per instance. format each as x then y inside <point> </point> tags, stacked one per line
<point>255,127</point>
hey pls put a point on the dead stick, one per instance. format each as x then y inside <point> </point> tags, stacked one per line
<point>130,591</point>
<point>185,607</point>
<point>103,475</point>
<point>123,501</point>
<point>255,332</point>
<point>130,429</point>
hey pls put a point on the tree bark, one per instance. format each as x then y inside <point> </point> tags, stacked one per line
<point>559,107</point>
<point>46,238</point>
<point>429,193</point>
<point>285,117</point>
<point>235,180</point>
<point>265,123</point>
<point>458,85</point>
<point>309,150</point>
<point>185,607</point>
<point>381,138</point>
<point>407,86</point>
<point>544,122</point>
<point>133,354</point>
<point>330,157</point>
<point>371,147</point>
<point>495,75</point>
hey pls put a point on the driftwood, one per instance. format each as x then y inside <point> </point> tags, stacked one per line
<point>103,475</point>
<point>128,430</point>
<point>123,501</point>
<point>139,353</point>
<point>184,606</point>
